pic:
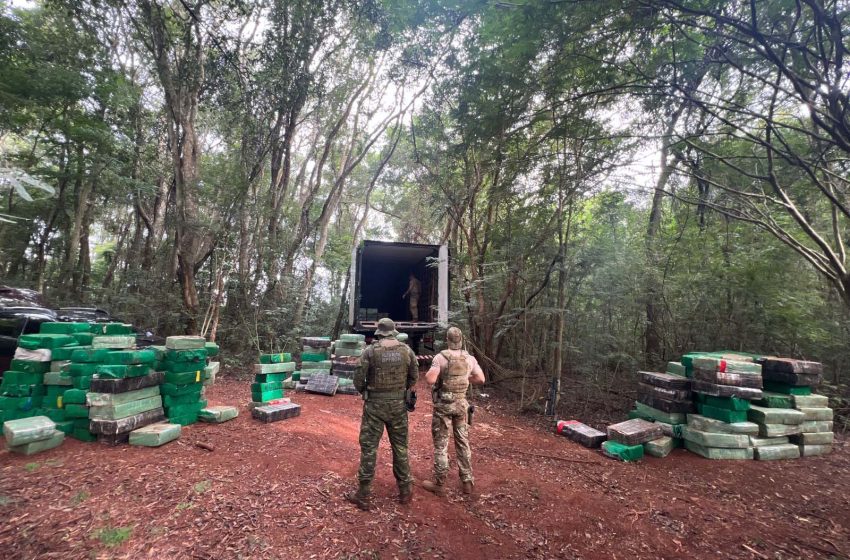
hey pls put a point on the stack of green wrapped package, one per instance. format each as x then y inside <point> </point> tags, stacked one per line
<point>85,361</point>
<point>315,357</point>
<point>37,379</point>
<point>269,377</point>
<point>795,415</point>
<point>212,368</point>
<point>124,395</point>
<point>31,435</point>
<point>723,386</point>
<point>184,363</point>
<point>346,360</point>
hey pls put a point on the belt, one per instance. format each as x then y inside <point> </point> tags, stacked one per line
<point>385,395</point>
<point>452,396</point>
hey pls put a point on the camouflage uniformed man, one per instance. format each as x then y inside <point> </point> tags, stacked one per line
<point>451,373</point>
<point>387,369</point>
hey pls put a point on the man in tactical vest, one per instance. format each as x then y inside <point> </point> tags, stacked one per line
<point>387,369</point>
<point>451,373</point>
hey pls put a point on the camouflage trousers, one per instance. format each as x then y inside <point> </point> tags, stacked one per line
<point>451,416</point>
<point>377,415</point>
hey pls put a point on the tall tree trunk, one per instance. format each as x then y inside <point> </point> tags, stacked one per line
<point>652,293</point>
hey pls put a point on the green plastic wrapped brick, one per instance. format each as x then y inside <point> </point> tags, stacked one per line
<point>82,369</point>
<point>296,376</point>
<point>212,349</point>
<point>185,342</point>
<point>111,329</point>
<point>351,337</point>
<point>82,382</point>
<point>776,415</point>
<point>65,353</point>
<point>728,403</point>
<point>74,396</point>
<point>648,413</point>
<point>65,426</point>
<point>722,414</point>
<point>622,452</point>
<point>181,367</point>
<point>155,435</point>
<point>57,378</point>
<point>275,358</point>
<point>83,434</point>
<point>12,377</point>
<point>719,452</point>
<point>660,447</point>
<point>84,339</point>
<point>820,414</point>
<point>55,414</point>
<point>184,419</point>
<point>785,388</point>
<point>264,387</point>
<point>266,395</point>
<point>112,399</point>
<point>54,440</point>
<point>308,357</point>
<point>815,450</point>
<point>46,341</point>
<point>113,342</point>
<point>324,365</point>
<point>675,368</point>
<point>779,430</point>
<point>196,355</point>
<point>799,401</point>
<point>271,377</point>
<point>725,366</point>
<point>816,427</point>
<point>26,430</point>
<point>169,401</point>
<point>173,390</point>
<point>184,409</point>
<point>775,400</point>
<point>130,357</point>
<point>63,328</point>
<point>218,414</point>
<point>758,441</point>
<point>348,352</point>
<point>59,366</point>
<point>104,371</point>
<point>89,355</point>
<point>29,367</point>
<point>776,452</point>
<point>185,377</point>
<point>76,410</point>
<point>124,410</point>
<point>283,367</point>
<point>713,439</point>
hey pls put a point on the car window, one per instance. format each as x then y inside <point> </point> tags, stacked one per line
<point>10,326</point>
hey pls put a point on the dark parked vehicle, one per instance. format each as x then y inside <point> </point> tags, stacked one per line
<point>21,312</point>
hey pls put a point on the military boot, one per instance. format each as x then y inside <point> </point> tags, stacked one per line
<point>467,487</point>
<point>362,498</point>
<point>405,494</point>
<point>435,487</point>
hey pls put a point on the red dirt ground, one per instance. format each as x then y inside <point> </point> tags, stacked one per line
<point>275,491</point>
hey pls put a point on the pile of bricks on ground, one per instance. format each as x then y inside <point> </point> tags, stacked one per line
<point>89,381</point>
<point>268,403</point>
<point>721,405</point>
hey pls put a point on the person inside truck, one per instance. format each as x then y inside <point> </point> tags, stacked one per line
<point>414,288</point>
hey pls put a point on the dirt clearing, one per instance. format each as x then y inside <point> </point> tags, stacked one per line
<point>275,491</point>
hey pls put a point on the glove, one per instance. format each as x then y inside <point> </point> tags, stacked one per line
<point>410,400</point>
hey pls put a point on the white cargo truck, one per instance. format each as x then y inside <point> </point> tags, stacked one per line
<point>380,277</point>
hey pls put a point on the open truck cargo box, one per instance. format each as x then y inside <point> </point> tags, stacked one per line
<point>379,278</point>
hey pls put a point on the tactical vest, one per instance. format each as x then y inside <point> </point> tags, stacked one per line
<point>389,366</point>
<point>455,375</point>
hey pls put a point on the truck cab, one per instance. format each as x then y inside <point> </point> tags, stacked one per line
<point>380,277</point>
